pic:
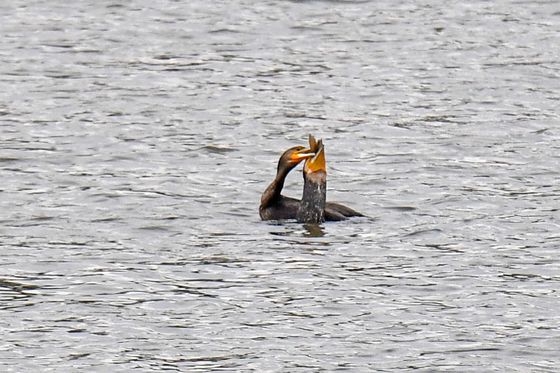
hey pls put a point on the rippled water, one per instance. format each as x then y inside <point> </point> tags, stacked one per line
<point>136,138</point>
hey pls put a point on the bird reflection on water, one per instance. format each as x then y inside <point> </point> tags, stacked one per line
<point>313,230</point>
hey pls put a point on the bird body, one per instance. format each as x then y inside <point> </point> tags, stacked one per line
<point>313,207</point>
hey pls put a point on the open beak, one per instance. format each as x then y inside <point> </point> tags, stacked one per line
<point>317,162</point>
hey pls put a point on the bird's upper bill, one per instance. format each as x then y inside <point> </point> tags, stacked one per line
<point>301,154</point>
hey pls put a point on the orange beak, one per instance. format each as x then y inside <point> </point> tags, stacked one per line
<point>318,161</point>
<point>302,154</point>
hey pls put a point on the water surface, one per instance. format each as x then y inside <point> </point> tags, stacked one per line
<point>136,139</point>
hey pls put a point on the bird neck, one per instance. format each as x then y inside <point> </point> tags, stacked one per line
<point>313,201</point>
<point>273,192</point>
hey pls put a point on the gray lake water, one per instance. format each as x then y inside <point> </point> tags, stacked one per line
<point>136,138</point>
